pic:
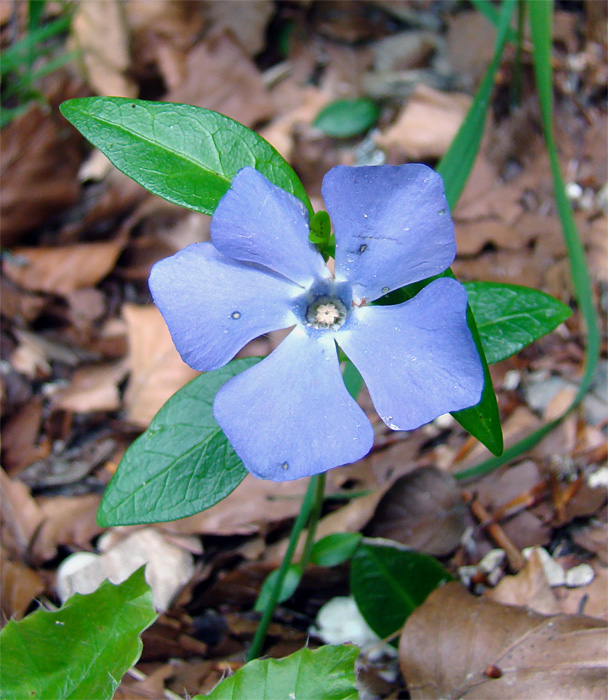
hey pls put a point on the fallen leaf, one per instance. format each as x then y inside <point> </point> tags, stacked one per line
<point>427,124</point>
<point>168,567</point>
<point>424,510</point>
<point>61,270</point>
<point>20,513</point>
<point>92,388</point>
<point>529,588</point>
<point>222,77</point>
<point>19,585</point>
<point>470,42</point>
<point>246,19</point>
<point>68,521</point>
<point>19,305</point>
<point>20,433</point>
<point>280,132</point>
<point>157,370</point>
<point>101,34</point>
<point>40,161</point>
<point>457,646</point>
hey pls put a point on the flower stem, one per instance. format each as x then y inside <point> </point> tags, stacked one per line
<point>315,513</point>
<point>312,499</point>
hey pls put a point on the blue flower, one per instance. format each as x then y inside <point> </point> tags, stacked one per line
<point>290,415</point>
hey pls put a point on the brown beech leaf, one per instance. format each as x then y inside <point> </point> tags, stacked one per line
<point>20,585</point>
<point>61,270</point>
<point>427,125</point>
<point>221,76</point>
<point>458,646</point>
<point>529,587</point>
<point>101,33</point>
<point>422,509</point>
<point>92,388</point>
<point>40,161</point>
<point>157,370</point>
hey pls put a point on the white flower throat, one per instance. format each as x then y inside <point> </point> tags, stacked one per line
<point>326,312</point>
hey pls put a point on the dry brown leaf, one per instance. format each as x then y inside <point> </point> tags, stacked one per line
<point>253,505</point>
<point>20,437</point>
<point>458,646</point>
<point>246,19</point>
<point>427,125</point>
<point>472,236</point>
<point>40,162</point>
<point>470,42</point>
<point>222,77</point>
<point>591,599</point>
<point>92,388</point>
<point>280,132</point>
<point>66,521</point>
<point>525,528</point>
<point>101,34</point>
<point>157,370</point>
<point>62,270</point>
<point>424,510</point>
<point>19,586</point>
<point>17,304</point>
<point>20,513</point>
<point>529,588</point>
<point>141,687</point>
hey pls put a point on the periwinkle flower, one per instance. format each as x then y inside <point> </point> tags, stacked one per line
<point>290,415</point>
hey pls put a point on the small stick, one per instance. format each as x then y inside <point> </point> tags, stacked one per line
<point>495,531</point>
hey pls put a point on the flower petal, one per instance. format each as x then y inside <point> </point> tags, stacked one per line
<point>392,225</point>
<point>260,223</point>
<point>290,416</point>
<point>418,358</point>
<point>214,305</point>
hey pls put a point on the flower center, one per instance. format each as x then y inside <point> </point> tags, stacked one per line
<point>326,312</point>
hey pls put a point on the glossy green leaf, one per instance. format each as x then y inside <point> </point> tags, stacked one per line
<point>388,582</point>
<point>335,549</point>
<point>82,650</point>
<point>290,584</point>
<point>182,464</point>
<point>346,118</point>
<point>188,155</point>
<point>509,317</point>
<point>327,672</point>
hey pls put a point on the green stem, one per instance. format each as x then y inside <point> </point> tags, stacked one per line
<point>315,514</point>
<point>299,524</point>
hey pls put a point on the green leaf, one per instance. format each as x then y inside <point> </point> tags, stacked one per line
<point>335,549</point>
<point>346,118</point>
<point>327,672</point>
<point>290,584</point>
<point>509,317</point>
<point>82,650</point>
<point>188,155</point>
<point>182,464</point>
<point>388,582</point>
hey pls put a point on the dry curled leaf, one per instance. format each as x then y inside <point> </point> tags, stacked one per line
<point>458,646</point>
<point>61,270</point>
<point>427,125</point>
<point>422,509</point>
<point>157,370</point>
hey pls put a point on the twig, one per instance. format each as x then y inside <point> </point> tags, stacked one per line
<point>495,531</point>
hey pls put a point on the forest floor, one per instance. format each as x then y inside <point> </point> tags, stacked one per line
<point>87,360</point>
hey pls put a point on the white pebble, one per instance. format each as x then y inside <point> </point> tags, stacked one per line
<point>556,576</point>
<point>579,575</point>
